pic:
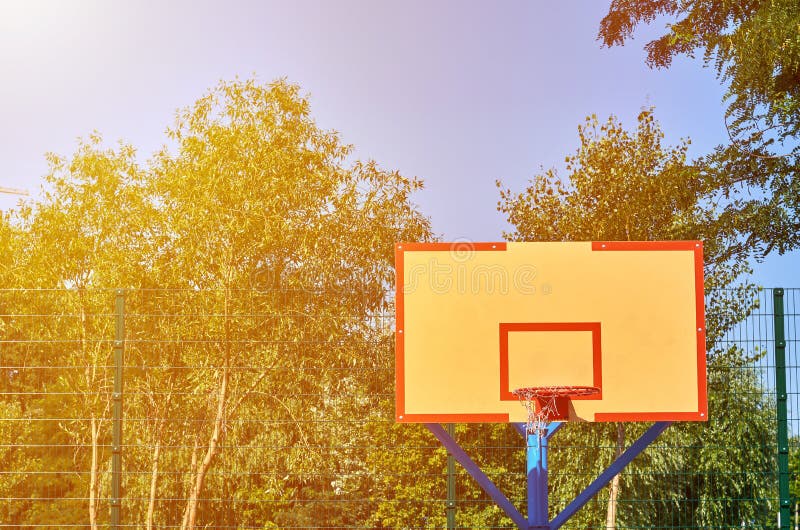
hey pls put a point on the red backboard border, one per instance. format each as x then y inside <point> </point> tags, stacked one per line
<point>695,246</point>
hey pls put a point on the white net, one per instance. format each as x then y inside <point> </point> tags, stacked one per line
<point>542,402</point>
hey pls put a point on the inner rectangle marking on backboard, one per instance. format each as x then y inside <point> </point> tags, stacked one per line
<point>550,354</point>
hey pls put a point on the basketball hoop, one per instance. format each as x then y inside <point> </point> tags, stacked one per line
<point>547,403</point>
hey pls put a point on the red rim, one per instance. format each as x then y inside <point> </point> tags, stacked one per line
<point>555,391</point>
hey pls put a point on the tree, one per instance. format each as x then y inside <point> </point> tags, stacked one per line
<point>256,254</point>
<point>629,186</point>
<point>78,237</point>
<point>754,47</point>
<point>256,196</point>
<point>624,186</point>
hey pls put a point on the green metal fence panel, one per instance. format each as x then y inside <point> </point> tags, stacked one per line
<point>791,301</point>
<point>274,409</point>
<point>782,441</point>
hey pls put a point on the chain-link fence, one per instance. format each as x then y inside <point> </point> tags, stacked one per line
<point>274,409</point>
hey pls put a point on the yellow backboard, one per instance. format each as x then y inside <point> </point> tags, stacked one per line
<point>477,320</point>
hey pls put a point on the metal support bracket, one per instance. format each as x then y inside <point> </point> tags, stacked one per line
<point>611,471</point>
<point>536,452</point>
<point>475,472</point>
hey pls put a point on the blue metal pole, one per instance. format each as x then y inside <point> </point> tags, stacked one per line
<point>617,466</point>
<point>537,481</point>
<point>538,484</point>
<point>552,428</point>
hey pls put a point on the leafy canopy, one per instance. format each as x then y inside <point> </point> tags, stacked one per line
<point>628,185</point>
<point>624,186</point>
<point>754,46</point>
<point>255,253</point>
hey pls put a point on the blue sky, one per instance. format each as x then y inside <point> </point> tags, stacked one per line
<point>457,93</point>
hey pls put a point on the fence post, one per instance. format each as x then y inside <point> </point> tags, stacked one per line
<point>784,514</point>
<point>116,442</point>
<point>451,483</point>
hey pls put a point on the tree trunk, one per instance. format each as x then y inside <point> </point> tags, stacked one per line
<point>614,486</point>
<point>151,504</point>
<point>94,427</point>
<point>160,413</point>
<point>190,514</point>
<point>192,474</point>
<point>613,494</point>
<point>93,481</point>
